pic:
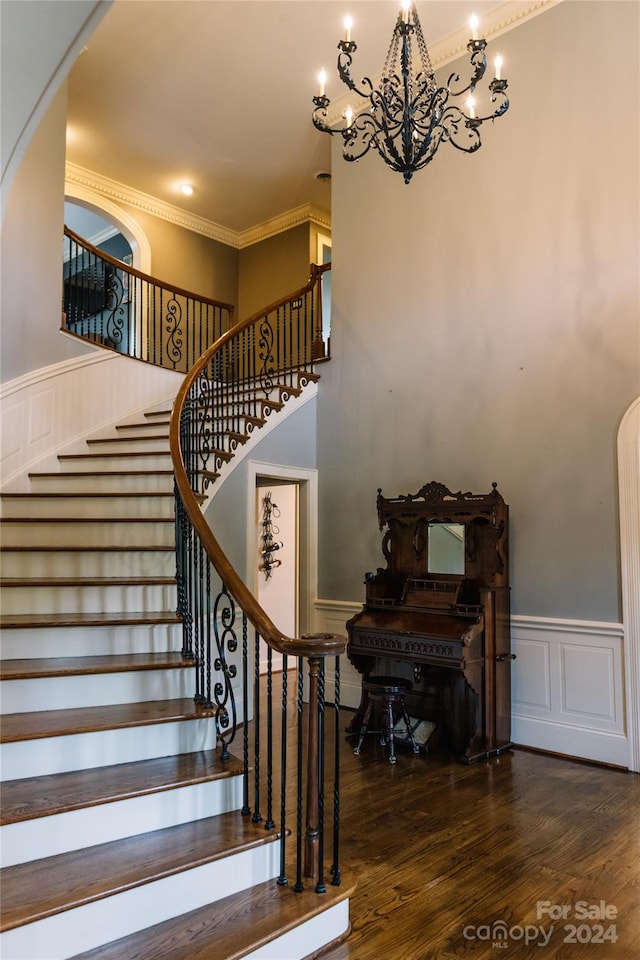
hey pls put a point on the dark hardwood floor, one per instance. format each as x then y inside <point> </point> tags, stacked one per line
<point>525,855</point>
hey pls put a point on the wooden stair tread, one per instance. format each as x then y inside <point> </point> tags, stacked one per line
<point>25,620</point>
<point>146,424</point>
<point>86,548</point>
<point>87,581</point>
<point>57,474</point>
<point>231,928</point>
<point>99,520</point>
<point>60,723</point>
<point>58,793</point>
<point>83,494</point>
<point>111,454</point>
<point>34,669</point>
<point>117,439</point>
<point>43,888</point>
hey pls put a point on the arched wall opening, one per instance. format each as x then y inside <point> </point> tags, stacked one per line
<point>130,228</point>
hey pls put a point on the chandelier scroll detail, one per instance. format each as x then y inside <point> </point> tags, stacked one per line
<point>409,114</point>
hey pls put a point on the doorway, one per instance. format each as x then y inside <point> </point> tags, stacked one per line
<point>291,589</point>
<point>278,560</point>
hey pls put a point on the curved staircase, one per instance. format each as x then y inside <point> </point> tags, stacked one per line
<point>121,829</point>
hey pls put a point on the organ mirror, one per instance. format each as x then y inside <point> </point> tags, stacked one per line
<point>445,548</point>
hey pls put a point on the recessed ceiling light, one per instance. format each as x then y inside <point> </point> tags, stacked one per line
<point>186,188</point>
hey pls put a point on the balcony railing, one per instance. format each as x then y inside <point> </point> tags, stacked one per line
<point>111,304</point>
<point>246,376</point>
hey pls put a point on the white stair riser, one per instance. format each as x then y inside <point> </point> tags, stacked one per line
<point>308,938</point>
<point>84,751</point>
<point>111,918</point>
<point>95,690</point>
<point>154,482</point>
<point>93,506</point>
<point>110,563</point>
<point>121,443</point>
<point>85,533</point>
<point>121,598</point>
<point>49,836</point>
<point>42,642</point>
<point>154,460</point>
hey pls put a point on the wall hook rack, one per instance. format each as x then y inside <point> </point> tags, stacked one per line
<point>269,544</point>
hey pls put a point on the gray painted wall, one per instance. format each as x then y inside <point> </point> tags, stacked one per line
<point>485,320</point>
<point>271,269</point>
<point>32,254</point>
<point>291,444</point>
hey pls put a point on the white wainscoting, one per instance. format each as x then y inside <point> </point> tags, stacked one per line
<point>48,409</point>
<point>567,688</point>
<point>567,683</point>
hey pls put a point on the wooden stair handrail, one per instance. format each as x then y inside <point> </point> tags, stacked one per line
<point>308,645</point>
<point>146,276</point>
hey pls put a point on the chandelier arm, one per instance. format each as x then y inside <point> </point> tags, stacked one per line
<point>358,133</point>
<point>345,59</point>
<point>453,119</point>
<point>319,115</point>
<point>478,62</point>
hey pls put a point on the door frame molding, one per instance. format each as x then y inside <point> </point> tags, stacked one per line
<point>629,508</point>
<point>307,480</point>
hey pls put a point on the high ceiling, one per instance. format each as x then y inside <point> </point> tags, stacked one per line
<point>218,93</point>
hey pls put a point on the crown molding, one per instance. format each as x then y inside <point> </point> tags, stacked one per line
<point>500,20</point>
<point>120,192</point>
<point>307,213</point>
<point>495,23</point>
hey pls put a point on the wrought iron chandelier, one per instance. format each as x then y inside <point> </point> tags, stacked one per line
<point>408,114</point>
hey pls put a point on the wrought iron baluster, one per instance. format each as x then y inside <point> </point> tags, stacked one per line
<point>282,879</point>
<point>337,739</point>
<point>207,637</point>
<point>257,816</point>
<point>320,887</point>
<point>197,618</point>
<point>269,822</point>
<point>246,809</point>
<point>299,886</point>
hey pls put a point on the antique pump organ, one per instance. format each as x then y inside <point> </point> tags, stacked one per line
<point>438,615</point>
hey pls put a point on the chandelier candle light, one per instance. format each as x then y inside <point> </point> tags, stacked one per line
<point>408,115</point>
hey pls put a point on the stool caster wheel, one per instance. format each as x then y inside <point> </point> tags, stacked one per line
<point>392,759</point>
<point>356,750</point>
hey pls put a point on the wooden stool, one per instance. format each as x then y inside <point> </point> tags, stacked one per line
<point>390,692</point>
